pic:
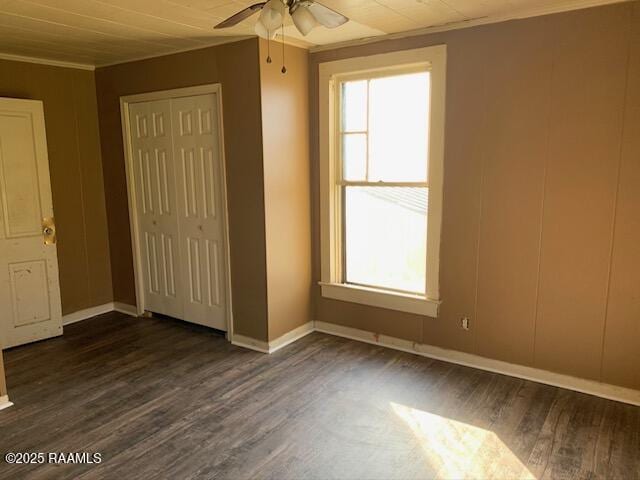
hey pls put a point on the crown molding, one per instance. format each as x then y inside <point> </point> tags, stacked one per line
<point>528,13</point>
<point>83,66</point>
<point>522,14</point>
<point>291,41</point>
<point>288,41</point>
<point>45,61</point>
<point>233,39</point>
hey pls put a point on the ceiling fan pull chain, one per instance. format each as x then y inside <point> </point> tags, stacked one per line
<point>284,69</point>
<point>268,46</point>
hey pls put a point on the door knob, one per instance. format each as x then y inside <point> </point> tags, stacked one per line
<point>49,231</point>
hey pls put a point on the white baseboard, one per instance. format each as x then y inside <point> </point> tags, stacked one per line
<point>4,402</point>
<point>250,343</point>
<point>292,336</point>
<point>604,390</point>
<point>274,345</point>
<point>125,308</point>
<point>591,387</point>
<point>99,310</point>
<point>86,313</point>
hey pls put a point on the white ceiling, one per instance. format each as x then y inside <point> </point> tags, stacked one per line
<point>102,32</point>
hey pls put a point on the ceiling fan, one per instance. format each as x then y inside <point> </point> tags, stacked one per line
<point>306,14</point>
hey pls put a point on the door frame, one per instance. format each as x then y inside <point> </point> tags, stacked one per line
<point>125,101</point>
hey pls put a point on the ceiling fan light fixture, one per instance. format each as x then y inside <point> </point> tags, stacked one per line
<point>325,16</point>
<point>303,19</point>
<point>262,31</point>
<point>272,15</point>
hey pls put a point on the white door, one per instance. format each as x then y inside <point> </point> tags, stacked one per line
<point>198,165</point>
<point>29,286</point>
<point>178,181</point>
<point>153,170</point>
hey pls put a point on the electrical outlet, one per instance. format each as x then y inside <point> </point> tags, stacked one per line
<point>464,323</point>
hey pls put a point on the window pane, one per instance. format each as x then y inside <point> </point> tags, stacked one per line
<point>354,156</point>
<point>398,128</point>
<point>354,106</point>
<point>386,237</point>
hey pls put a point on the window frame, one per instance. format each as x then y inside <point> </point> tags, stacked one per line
<point>432,59</point>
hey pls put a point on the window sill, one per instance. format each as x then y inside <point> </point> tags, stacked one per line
<point>373,297</point>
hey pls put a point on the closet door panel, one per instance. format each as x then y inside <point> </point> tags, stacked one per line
<point>198,180</point>
<point>154,177</point>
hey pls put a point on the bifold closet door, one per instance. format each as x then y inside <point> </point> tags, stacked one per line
<point>178,182</point>
<point>154,175</point>
<point>200,208</point>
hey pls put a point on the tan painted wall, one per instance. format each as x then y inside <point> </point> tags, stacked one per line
<point>3,382</point>
<point>285,133</point>
<point>621,347</point>
<point>76,175</point>
<point>236,67</point>
<point>541,226</point>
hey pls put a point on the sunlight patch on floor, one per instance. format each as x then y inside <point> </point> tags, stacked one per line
<point>459,450</point>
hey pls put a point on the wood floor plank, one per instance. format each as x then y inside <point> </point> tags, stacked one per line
<point>165,399</point>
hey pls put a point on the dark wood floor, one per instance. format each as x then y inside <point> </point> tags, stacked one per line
<point>163,399</point>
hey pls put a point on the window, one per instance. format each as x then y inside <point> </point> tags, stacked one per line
<point>382,129</point>
<point>384,180</point>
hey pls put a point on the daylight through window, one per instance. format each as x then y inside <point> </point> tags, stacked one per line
<point>383,152</point>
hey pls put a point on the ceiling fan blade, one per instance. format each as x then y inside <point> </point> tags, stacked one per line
<point>241,15</point>
<point>325,16</point>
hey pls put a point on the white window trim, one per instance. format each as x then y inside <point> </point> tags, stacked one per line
<point>330,218</point>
